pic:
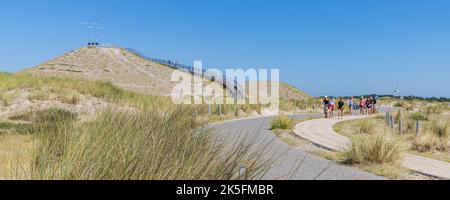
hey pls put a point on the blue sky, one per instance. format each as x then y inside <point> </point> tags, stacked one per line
<point>331,47</point>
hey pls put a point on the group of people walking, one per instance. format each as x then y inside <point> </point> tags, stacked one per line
<point>367,106</point>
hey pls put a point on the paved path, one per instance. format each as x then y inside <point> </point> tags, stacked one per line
<point>321,133</point>
<point>311,166</point>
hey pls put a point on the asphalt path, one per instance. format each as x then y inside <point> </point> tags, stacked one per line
<point>293,163</point>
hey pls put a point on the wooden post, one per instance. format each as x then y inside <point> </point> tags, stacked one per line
<point>306,106</point>
<point>400,123</point>
<point>392,122</point>
<point>220,109</point>
<point>388,115</point>
<point>209,109</point>
<point>314,106</point>
<point>418,127</point>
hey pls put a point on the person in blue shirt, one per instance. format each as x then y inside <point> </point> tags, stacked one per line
<point>350,106</point>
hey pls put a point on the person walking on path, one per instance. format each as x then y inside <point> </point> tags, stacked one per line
<point>369,106</point>
<point>326,104</point>
<point>331,106</point>
<point>350,106</point>
<point>375,108</point>
<point>362,105</point>
<point>341,105</point>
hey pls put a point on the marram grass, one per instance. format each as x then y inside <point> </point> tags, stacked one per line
<point>130,145</point>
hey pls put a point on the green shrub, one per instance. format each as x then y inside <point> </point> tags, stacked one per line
<point>282,122</point>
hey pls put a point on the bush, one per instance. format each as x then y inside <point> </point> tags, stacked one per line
<point>282,122</point>
<point>126,145</point>
<point>428,142</point>
<point>373,149</point>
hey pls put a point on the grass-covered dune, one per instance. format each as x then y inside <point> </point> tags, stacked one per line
<point>132,136</point>
<point>42,88</point>
<point>72,91</point>
<point>136,137</point>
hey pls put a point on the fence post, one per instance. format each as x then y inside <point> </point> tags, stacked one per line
<point>209,109</point>
<point>388,115</point>
<point>220,109</point>
<point>392,122</point>
<point>306,106</point>
<point>400,123</point>
<point>417,127</point>
<point>314,106</point>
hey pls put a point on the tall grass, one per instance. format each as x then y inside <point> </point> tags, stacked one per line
<point>428,142</point>
<point>436,108</point>
<point>438,126</point>
<point>64,86</point>
<point>435,135</point>
<point>71,98</point>
<point>6,98</point>
<point>124,145</point>
<point>373,149</point>
<point>367,126</point>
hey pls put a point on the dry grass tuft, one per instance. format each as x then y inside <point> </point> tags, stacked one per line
<point>429,143</point>
<point>374,149</point>
<point>367,126</point>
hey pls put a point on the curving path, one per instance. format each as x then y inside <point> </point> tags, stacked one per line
<point>321,133</point>
<point>311,166</point>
